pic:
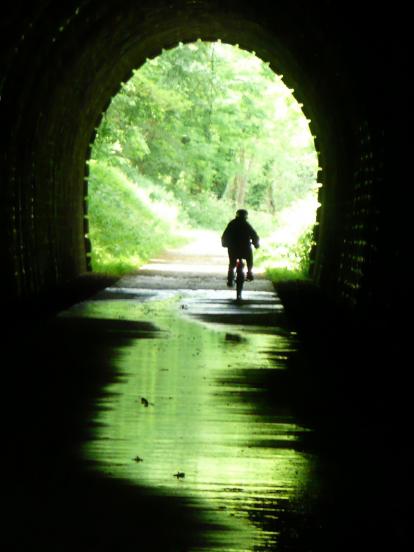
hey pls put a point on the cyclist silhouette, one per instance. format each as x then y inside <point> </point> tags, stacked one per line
<point>238,237</point>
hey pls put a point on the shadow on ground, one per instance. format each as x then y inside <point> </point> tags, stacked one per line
<point>53,371</point>
<point>347,382</point>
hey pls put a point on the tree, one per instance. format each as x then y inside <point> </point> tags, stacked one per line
<point>208,117</point>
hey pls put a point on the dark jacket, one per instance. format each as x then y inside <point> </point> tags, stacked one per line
<point>239,234</point>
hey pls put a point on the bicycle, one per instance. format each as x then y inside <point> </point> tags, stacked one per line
<point>240,278</point>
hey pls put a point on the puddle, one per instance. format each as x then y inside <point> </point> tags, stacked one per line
<point>182,418</point>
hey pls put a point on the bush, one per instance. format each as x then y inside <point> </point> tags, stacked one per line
<point>125,230</point>
<point>289,245</point>
<point>206,211</point>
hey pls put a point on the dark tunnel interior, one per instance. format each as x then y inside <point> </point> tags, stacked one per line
<point>61,65</point>
<point>62,62</point>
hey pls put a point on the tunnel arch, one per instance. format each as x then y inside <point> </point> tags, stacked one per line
<point>114,119</point>
<point>63,64</point>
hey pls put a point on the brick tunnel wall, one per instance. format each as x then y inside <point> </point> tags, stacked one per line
<point>63,62</point>
<point>361,241</point>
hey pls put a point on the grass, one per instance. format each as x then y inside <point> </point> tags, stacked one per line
<point>125,229</point>
<point>277,275</point>
<point>132,220</point>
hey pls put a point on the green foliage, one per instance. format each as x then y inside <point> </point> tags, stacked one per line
<point>205,210</point>
<point>294,261</point>
<point>303,249</point>
<point>288,246</point>
<point>285,274</point>
<point>204,128</point>
<point>125,230</point>
<point>211,117</point>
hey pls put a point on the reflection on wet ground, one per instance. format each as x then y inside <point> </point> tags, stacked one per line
<point>175,420</point>
<point>184,416</point>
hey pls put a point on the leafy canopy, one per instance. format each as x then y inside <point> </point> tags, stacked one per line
<point>212,128</point>
<point>211,117</point>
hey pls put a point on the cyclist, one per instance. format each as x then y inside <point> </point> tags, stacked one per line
<point>238,237</point>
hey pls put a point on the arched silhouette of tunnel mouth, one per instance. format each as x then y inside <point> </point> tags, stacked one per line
<point>63,65</point>
<point>199,131</point>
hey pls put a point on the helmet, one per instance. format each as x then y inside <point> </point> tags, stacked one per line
<point>241,213</point>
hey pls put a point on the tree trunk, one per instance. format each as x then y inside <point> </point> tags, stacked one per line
<point>271,198</point>
<point>237,188</point>
<point>241,190</point>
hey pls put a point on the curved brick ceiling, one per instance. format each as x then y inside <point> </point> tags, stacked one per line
<point>63,62</point>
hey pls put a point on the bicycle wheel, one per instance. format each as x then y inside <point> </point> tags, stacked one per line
<point>239,279</point>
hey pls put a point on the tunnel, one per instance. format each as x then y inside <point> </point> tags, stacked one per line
<point>63,62</point>
<point>61,65</point>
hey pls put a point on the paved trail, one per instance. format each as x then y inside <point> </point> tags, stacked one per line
<point>202,264</point>
<point>159,412</point>
<point>161,415</point>
<point>189,417</point>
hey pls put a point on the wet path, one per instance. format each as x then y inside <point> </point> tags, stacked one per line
<point>184,419</point>
<point>160,415</point>
<point>187,418</point>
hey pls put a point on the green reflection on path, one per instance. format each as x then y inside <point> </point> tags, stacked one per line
<point>177,421</point>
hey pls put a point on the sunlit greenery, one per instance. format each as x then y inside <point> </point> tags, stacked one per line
<point>197,132</point>
<point>287,248</point>
<point>127,224</point>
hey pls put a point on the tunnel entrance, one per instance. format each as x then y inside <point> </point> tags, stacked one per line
<point>196,133</point>
<point>61,67</point>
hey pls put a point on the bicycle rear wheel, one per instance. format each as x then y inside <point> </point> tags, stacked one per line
<point>239,279</point>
